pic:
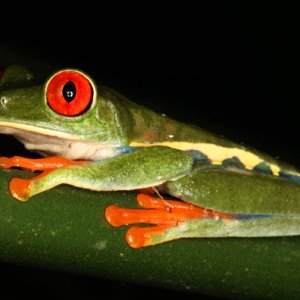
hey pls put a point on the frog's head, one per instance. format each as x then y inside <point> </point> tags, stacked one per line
<point>67,115</point>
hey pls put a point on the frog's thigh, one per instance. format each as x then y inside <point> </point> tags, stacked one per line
<point>139,169</point>
<point>237,193</point>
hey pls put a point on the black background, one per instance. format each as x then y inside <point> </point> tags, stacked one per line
<point>230,67</point>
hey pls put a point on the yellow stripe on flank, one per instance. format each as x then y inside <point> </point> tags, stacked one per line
<point>217,154</point>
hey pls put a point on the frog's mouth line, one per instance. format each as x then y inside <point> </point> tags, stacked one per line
<point>52,143</point>
<point>7,127</point>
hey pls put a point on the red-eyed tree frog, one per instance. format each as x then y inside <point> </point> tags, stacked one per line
<point>94,138</point>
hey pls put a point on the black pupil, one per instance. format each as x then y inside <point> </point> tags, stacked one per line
<point>69,91</point>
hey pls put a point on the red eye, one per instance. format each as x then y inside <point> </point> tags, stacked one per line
<point>69,93</point>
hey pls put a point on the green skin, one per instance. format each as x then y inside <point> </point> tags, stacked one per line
<point>264,205</point>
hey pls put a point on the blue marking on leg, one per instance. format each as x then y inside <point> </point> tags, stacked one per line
<point>198,156</point>
<point>233,162</point>
<point>289,176</point>
<point>263,168</point>
<point>253,216</point>
<point>126,149</point>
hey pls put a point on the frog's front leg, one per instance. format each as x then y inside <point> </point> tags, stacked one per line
<point>139,169</point>
<point>39,164</point>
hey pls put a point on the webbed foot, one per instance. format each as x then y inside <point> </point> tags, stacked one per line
<point>38,164</point>
<point>164,214</point>
<point>22,189</point>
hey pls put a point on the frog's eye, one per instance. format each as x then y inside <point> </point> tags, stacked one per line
<point>69,93</point>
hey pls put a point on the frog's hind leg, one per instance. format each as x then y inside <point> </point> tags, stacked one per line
<point>164,214</point>
<point>217,203</point>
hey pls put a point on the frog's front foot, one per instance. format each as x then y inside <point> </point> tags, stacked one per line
<point>38,164</point>
<point>166,215</point>
<point>23,189</point>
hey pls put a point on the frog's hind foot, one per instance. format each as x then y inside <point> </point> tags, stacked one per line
<point>163,214</point>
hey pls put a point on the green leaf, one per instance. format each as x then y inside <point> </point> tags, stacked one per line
<point>64,229</point>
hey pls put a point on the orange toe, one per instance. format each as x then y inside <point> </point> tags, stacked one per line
<point>19,188</point>
<point>137,237</point>
<point>118,216</point>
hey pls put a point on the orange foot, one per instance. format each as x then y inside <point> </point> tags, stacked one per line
<point>164,214</point>
<point>38,164</point>
<point>21,188</point>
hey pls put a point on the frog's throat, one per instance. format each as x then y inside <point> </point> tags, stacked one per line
<point>49,142</point>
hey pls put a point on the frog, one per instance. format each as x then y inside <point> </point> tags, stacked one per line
<point>190,183</point>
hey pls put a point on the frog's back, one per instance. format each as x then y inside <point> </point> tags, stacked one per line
<point>148,128</point>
